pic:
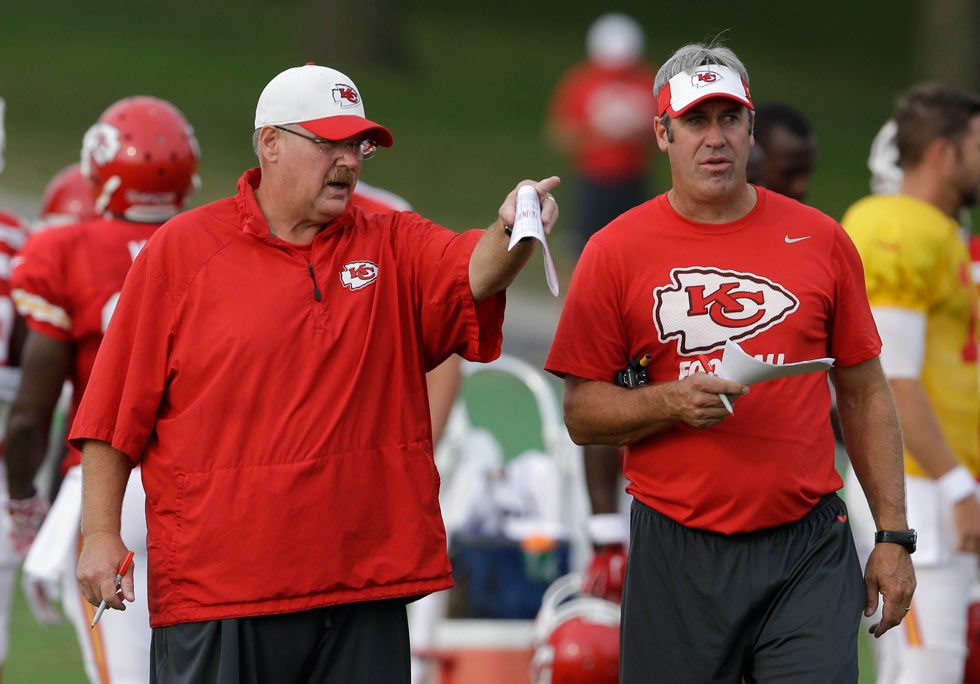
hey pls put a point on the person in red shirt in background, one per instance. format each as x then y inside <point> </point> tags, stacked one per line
<point>601,120</point>
<point>13,233</point>
<point>140,160</point>
<point>265,366</point>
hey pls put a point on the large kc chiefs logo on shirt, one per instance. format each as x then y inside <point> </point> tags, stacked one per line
<point>703,307</point>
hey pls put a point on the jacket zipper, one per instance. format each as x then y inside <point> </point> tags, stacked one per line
<point>316,290</point>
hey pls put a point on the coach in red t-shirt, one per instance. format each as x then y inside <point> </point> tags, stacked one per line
<point>741,562</point>
<point>266,367</point>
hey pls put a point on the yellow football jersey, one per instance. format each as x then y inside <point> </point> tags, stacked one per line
<point>914,258</point>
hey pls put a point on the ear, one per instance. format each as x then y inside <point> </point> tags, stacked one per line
<point>269,144</point>
<point>661,132</point>
<point>940,154</point>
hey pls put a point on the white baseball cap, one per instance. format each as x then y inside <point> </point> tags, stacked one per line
<point>322,100</point>
<point>685,90</point>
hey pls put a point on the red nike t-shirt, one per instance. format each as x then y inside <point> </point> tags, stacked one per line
<point>13,234</point>
<point>786,283</point>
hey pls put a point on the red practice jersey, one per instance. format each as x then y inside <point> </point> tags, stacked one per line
<point>13,234</point>
<point>66,284</point>
<point>786,283</point>
<point>609,114</point>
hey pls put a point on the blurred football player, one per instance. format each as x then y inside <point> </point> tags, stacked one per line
<point>67,198</point>
<point>13,233</point>
<point>789,146</point>
<point>141,157</point>
<point>601,119</point>
<point>924,300</point>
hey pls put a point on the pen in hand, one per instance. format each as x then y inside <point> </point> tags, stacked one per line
<point>119,575</point>
<point>706,364</point>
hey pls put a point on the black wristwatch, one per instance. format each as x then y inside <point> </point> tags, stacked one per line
<point>906,539</point>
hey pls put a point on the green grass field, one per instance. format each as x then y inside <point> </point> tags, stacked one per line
<point>41,655</point>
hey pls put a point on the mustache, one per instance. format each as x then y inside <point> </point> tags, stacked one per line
<point>342,175</point>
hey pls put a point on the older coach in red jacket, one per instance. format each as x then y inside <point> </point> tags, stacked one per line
<point>266,367</point>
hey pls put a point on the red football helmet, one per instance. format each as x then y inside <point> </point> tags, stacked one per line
<point>576,637</point>
<point>971,674</point>
<point>68,197</point>
<point>142,157</point>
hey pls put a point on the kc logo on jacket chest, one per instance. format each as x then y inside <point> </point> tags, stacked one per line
<point>357,274</point>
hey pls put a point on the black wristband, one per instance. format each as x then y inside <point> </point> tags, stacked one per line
<point>906,539</point>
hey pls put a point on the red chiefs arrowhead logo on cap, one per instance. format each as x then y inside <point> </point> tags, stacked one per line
<point>358,274</point>
<point>345,95</point>
<point>704,307</point>
<point>703,78</point>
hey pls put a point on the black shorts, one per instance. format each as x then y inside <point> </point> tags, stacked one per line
<point>354,642</point>
<point>781,604</point>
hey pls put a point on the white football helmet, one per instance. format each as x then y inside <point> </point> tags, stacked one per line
<point>886,174</point>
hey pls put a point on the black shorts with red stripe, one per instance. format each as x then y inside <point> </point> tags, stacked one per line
<point>782,604</point>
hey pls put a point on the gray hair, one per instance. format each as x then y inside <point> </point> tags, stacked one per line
<point>690,57</point>
<point>255,143</point>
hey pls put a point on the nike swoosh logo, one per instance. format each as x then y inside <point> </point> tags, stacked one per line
<point>790,240</point>
<point>842,518</point>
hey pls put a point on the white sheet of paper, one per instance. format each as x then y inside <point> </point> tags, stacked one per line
<point>738,366</point>
<point>527,224</point>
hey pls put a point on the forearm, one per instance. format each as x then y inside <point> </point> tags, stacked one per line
<point>44,365</point>
<point>874,445</point>
<point>604,413</point>
<point>920,428</point>
<point>443,383</point>
<point>492,268</point>
<point>105,472</point>
<point>24,448</point>
<point>602,477</point>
